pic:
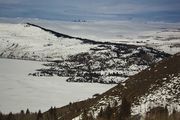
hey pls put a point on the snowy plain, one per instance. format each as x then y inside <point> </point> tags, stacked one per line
<point>19,91</point>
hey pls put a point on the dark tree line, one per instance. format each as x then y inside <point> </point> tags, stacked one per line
<point>50,115</point>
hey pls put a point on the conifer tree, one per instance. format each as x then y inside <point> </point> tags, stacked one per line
<point>125,110</point>
<point>27,111</point>
<point>10,116</point>
<point>101,112</point>
<point>108,112</point>
<point>39,115</point>
<point>84,115</point>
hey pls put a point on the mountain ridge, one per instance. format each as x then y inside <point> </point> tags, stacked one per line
<point>146,91</point>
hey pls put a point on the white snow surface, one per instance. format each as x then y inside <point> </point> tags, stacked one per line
<point>28,42</point>
<point>19,91</point>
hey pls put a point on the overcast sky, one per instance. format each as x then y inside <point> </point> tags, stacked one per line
<point>92,9</point>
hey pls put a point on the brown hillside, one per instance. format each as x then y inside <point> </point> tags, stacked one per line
<point>137,85</point>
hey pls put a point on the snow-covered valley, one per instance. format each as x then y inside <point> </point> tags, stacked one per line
<point>78,52</point>
<point>19,91</point>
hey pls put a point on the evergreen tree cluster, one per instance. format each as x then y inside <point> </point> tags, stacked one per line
<point>50,115</point>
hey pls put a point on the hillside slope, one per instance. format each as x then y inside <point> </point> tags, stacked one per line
<point>156,86</point>
<point>24,41</point>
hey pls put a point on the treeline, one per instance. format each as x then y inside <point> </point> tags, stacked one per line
<point>50,115</point>
<point>115,112</point>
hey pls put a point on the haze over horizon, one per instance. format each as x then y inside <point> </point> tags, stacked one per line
<point>154,10</point>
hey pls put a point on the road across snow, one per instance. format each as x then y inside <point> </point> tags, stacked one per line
<point>20,91</point>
